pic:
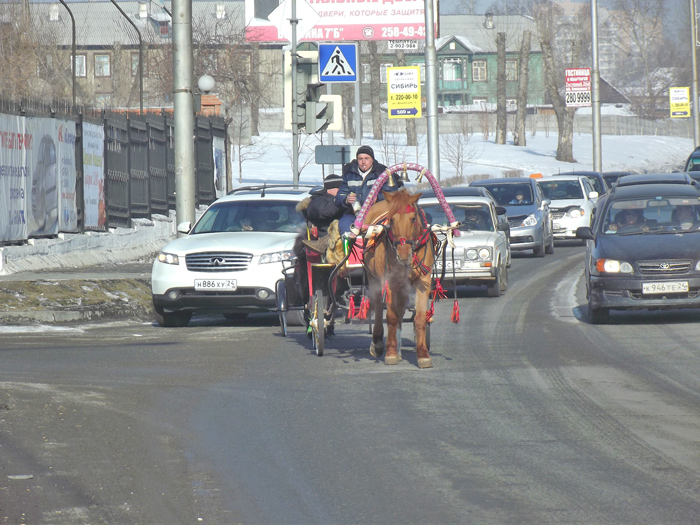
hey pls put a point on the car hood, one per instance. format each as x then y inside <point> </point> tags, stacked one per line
<point>468,239</point>
<point>248,242</point>
<point>648,246</point>
<point>515,212</point>
<point>566,203</point>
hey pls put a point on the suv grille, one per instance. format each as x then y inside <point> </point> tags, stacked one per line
<point>664,267</point>
<point>218,261</point>
<point>557,214</point>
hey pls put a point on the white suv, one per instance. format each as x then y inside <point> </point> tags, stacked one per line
<point>230,260</point>
<point>573,201</point>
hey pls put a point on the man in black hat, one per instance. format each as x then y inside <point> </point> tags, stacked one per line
<point>359,176</point>
<point>321,209</point>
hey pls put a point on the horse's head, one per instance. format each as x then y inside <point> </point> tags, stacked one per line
<point>405,223</point>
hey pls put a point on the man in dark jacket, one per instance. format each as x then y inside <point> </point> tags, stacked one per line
<point>359,177</point>
<point>322,209</point>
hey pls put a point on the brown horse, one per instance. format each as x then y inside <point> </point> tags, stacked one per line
<point>402,255</point>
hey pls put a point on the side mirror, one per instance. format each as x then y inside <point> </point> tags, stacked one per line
<point>500,210</point>
<point>584,232</point>
<point>546,203</point>
<point>593,195</point>
<point>184,227</point>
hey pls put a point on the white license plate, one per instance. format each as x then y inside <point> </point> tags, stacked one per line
<point>227,285</point>
<point>556,225</point>
<point>448,264</point>
<point>667,287</point>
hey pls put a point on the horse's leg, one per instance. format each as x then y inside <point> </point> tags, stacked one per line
<point>377,346</point>
<point>419,322</point>
<point>394,316</point>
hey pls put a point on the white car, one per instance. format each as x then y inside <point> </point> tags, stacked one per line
<point>482,250</point>
<point>573,202</point>
<point>230,260</point>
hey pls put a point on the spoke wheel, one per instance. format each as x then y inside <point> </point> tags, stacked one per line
<point>318,322</point>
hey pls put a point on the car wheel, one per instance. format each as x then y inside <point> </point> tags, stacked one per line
<point>494,289</point>
<point>598,315</point>
<point>549,250</point>
<point>172,319</point>
<point>539,250</point>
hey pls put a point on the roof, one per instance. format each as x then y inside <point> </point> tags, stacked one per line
<point>504,180</point>
<point>478,38</point>
<point>654,178</point>
<point>655,190</point>
<point>100,23</point>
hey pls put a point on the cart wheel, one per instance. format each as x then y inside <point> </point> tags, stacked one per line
<point>282,306</point>
<point>318,322</point>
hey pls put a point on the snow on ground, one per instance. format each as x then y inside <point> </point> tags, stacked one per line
<point>639,154</point>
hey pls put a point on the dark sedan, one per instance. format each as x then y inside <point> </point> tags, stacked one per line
<point>644,250</point>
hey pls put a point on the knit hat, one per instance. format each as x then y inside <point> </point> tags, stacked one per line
<point>332,181</point>
<point>367,150</point>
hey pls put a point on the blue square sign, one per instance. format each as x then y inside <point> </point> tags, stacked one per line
<point>337,62</point>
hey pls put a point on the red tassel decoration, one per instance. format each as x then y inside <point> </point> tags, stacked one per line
<point>364,308</point>
<point>431,311</point>
<point>351,307</point>
<point>439,290</point>
<point>455,312</point>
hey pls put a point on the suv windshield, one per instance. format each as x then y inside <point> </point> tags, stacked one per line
<point>658,215</point>
<point>561,190</point>
<point>260,215</point>
<point>511,194</point>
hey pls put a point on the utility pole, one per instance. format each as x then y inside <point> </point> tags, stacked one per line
<point>595,89</point>
<point>694,58</point>
<point>431,84</point>
<point>295,110</point>
<point>183,109</point>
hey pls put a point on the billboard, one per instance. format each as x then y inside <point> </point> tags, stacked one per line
<point>95,213</point>
<point>335,20</point>
<point>15,147</point>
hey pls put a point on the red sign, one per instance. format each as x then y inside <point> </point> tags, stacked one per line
<point>337,20</point>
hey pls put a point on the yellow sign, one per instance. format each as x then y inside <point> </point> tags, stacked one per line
<point>403,92</point>
<point>680,102</point>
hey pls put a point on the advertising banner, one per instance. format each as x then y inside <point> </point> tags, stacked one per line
<point>219,147</point>
<point>679,100</point>
<point>68,198</point>
<point>578,87</point>
<point>15,146</point>
<point>42,181</point>
<point>403,92</point>
<point>95,212</point>
<point>335,20</point>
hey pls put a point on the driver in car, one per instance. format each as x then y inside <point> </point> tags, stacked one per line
<point>629,218</point>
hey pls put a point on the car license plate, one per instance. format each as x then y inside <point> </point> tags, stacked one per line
<point>556,225</point>
<point>448,264</point>
<point>227,285</point>
<point>667,287</point>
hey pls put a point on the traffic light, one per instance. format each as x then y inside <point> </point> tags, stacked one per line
<point>319,114</point>
<point>305,68</point>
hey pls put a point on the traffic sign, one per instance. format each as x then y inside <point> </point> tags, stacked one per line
<point>337,62</point>
<point>403,92</point>
<point>578,87</point>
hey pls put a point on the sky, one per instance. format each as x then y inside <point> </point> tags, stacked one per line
<point>638,154</point>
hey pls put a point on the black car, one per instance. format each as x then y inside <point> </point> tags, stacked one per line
<point>612,176</point>
<point>644,249</point>
<point>655,178</point>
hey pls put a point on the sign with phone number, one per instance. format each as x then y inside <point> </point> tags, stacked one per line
<point>403,92</point>
<point>578,87</point>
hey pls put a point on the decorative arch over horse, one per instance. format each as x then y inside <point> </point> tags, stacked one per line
<point>399,256</point>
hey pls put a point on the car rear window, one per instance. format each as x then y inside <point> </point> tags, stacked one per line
<point>261,215</point>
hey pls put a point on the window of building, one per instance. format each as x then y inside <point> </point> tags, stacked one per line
<point>80,66</point>
<point>479,102</point>
<point>479,71</point>
<point>102,63</point>
<point>382,72</point>
<point>511,70</point>
<point>452,69</point>
<point>366,74</point>
<point>135,65</point>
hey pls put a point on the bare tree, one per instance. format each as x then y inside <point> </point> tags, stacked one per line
<point>374,86</point>
<point>348,94</point>
<point>523,78</point>
<point>456,149</point>
<point>501,120</point>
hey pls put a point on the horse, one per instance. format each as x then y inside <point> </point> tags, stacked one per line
<point>401,255</point>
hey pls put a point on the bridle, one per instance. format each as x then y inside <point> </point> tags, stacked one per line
<point>421,235</point>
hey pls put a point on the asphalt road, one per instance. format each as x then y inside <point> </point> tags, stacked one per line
<point>530,415</point>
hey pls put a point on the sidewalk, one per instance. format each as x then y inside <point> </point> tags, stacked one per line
<point>82,276</point>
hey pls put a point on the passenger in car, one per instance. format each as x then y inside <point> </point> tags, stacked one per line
<point>685,217</point>
<point>629,219</point>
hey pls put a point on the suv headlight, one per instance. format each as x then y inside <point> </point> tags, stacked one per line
<point>168,258</point>
<point>576,213</point>
<point>274,257</point>
<point>530,220</point>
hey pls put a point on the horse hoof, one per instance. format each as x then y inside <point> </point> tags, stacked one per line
<point>391,360</point>
<point>376,349</point>
<point>425,362</point>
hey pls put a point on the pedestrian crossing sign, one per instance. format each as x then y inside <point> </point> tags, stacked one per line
<point>337,62</point>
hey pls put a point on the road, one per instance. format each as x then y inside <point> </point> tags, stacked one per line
<point>530,415</point>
